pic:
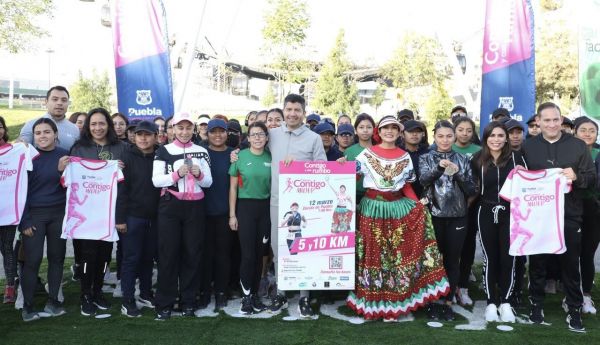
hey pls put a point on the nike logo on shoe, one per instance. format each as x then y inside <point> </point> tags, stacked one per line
<point>246,292</point>
<point>460,227</point>
<point>265,239</point>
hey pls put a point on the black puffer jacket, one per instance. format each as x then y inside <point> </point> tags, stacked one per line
<point>447,194</point>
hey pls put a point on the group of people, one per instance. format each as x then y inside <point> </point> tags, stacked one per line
<point>198,199</point>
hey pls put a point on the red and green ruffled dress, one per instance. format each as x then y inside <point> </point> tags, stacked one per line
<point>399,267</point>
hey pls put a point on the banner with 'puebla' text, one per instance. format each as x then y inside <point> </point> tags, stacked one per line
<point>316,226</point>
<point>144,84</point>
<point>508,79</point>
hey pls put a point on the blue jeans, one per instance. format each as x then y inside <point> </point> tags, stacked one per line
<point>139,252</point>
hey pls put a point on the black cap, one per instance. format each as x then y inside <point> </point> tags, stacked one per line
<point>504,120</point>
<point>234,126</point>
<point>500,112</point>
<point>146,126</point>
<point>512,124</point>
<point>133,124</point>
<point>411,125</point>
<point>406,113</point>
<point>531,119</point>
<point>458,107</point>
<point>567,121</point>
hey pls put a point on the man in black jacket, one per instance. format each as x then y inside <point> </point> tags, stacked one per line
<point>555,149</point>
<point>141,202</point>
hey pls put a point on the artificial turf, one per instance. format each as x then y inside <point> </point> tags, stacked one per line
<point>73,328</point>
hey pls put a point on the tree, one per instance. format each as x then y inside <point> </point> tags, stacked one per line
<point>17,18</point>
<point>438,105</point>
<point>335,92</point>
<point>378,96</point>
<point>418,61</point>
<point>89,93</point>
<point>269,97</point>
<point>284,32</point>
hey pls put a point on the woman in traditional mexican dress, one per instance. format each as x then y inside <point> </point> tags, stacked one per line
<point>342,214</point>
<point>399,267</point>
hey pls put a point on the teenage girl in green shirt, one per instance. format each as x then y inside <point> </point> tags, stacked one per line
<point>363,126</point>
<point>249,196</point>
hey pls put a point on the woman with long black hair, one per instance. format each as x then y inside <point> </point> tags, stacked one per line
<point>491,167</point>
<point>98,141</point>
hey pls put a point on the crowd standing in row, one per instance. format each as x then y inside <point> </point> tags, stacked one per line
<point>206,213</point>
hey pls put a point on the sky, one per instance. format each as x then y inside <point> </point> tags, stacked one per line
<point>373,29</point>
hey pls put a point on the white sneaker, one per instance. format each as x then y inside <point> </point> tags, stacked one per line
<point>564,305</point>
<point>550,286</point>
<point>506,313</point>
<point>20,300</point>
<point>463,296</point>
<point>491,313</point>
<point>588,305</point>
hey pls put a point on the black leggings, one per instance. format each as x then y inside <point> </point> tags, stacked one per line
<point>467,255</point>
<point>7,237</point>
<point>48,224</point>
<point>590,237</point>
<point>450,234</point>
<point>498,266</point>
<point>254,227</point>
<point>216,257</point>
<point>95,257</point>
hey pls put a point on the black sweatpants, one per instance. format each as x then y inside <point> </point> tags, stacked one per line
<point>254,227</point>
<point>450,235</point>
<point>467,256</point>
<point>216,256</point>
<point>94,260</point>
<point>590,237</point>
<point>569,269</point>
<point>7,237</point>
<point>180,237</point>
<point>48,227</point>
<point>493,222</point>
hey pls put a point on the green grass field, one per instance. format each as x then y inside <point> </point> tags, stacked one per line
<point>16,118</point>
<point>73,328</point>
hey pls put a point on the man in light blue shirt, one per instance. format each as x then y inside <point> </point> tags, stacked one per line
<point>57,103</point>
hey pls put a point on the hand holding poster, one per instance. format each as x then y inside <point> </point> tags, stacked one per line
<point>316,226</point>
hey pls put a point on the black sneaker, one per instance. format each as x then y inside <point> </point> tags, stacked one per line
<point>130,309</point>
<point>220,301</point>
<point>146,300</point>
<point>246,306</point>
<point>101,302</point>
<point>432,311</point>
<point>447,313</point>
<point>188,311</point>
<point>277,303</point>
<point>257,304</point>
<point>574,320</point>
<point>203,300</point>
<point>88,307</point>
<point>304,308</point>
<point>536,315</point>
<point>163,315</point>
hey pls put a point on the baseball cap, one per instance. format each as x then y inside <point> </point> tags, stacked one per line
<point>390,120</point>
<point>411,125</point>
<point>146,126</point>
<point>531,119</point>
<point>182,116</point>
<point>345,129</point>
<point>313,117</point>
<point>202,120</point>
<point>504,120</point>
<point>323,127</point>
<point>406,113</point>
<point>567,121</point>
<point>500,112</point>
<point>512,124</point>
<point>133,124</point>
<point>457,108</point>
<point>216,123</point>
<point>233,126</point>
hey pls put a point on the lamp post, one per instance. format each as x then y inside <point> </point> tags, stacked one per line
<point>49,51</point>
<point>462,61</point>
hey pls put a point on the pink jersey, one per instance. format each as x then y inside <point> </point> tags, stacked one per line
<point>537,208</point>
<point>91,199</point>
<point>15,161</point>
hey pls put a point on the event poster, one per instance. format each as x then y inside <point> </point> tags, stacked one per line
<point>317,212</point>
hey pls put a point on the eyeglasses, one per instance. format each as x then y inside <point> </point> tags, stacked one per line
<point>345,135</point>
<point>257,135</point>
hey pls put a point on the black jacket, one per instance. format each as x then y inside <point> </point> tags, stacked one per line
<point>447,194</point>
<point>140,197</point>
<point>567,152</point>
<point>489,183</point>
<point>414,157</point>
